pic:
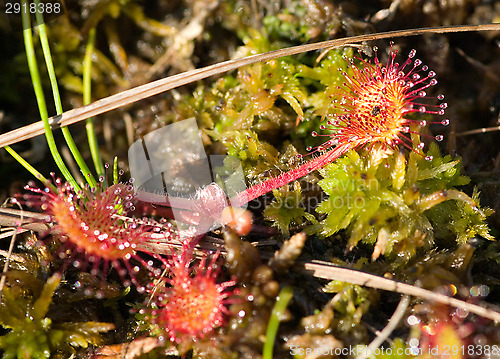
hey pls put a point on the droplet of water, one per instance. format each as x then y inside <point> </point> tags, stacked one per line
<point>422,109</point>
<point>425,68</point>
<point>322,127</point>
<point>445,122</point>
<point>431,74</point>
<point>423,123</point>
<point>420,145</point>
<point>443,105</point>
<point>440,97</point>
<point>308,148</point>
<point>441,112</point>
<point>439,138</point>
<point>433,82</point>
<point>417,62</point>
<point>412,53</point>
<point>428,158</point>
<point>422,93</point>
<point>415,76</point>
<point>314,134</point>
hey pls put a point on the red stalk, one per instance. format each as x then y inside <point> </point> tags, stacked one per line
<point>292,175</point>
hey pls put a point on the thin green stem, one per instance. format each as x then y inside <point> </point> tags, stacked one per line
<point>57,98</point>
<point>30,168</point>
<point>272,328</point>
<point>115,171</point>
<point>40,97</point>
<point>89,122</point>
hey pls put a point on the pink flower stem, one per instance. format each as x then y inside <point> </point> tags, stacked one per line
<point>292,175</point>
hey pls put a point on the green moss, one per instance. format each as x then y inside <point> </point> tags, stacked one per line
<point>398,205</point>
<point>287,208</point>
<point>34,334</point>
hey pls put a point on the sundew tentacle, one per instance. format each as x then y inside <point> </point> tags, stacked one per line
<point>371,110</point>
<point>376,99</point>
<point>93,230</point>
<point>190,303</point>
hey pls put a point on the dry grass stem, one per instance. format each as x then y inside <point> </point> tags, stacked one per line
<point>156,87</point>
<point>331,272</point>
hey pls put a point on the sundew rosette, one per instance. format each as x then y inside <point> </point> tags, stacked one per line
<point>371,109</point>
<point>94,230</point>
<point>376,99</point>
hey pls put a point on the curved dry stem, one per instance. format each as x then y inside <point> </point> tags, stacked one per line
<point>392,324</point>
<point>329,271</point>
<point>156,87</point>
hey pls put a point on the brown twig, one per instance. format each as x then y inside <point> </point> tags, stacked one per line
<point>156,87</point>
<point>329,271</point>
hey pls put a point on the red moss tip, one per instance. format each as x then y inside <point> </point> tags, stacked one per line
<point>377,98</point>
<point>93,229</point>
<point>191,303</point>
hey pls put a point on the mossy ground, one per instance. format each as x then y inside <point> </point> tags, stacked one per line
<point>421,222</point>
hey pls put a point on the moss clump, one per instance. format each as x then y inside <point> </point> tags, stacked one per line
<point>33,333</point>
<point>287,208</point>
<point>395,204</point>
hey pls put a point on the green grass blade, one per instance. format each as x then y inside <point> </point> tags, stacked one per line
<point>57,99</point>
<point>30,168</point>
<point>272,328</point>
<point>40,97</point>
<point>116,175</point>
<point>89,123</point>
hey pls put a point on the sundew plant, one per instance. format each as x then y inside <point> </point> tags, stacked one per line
<point>365,225</point>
